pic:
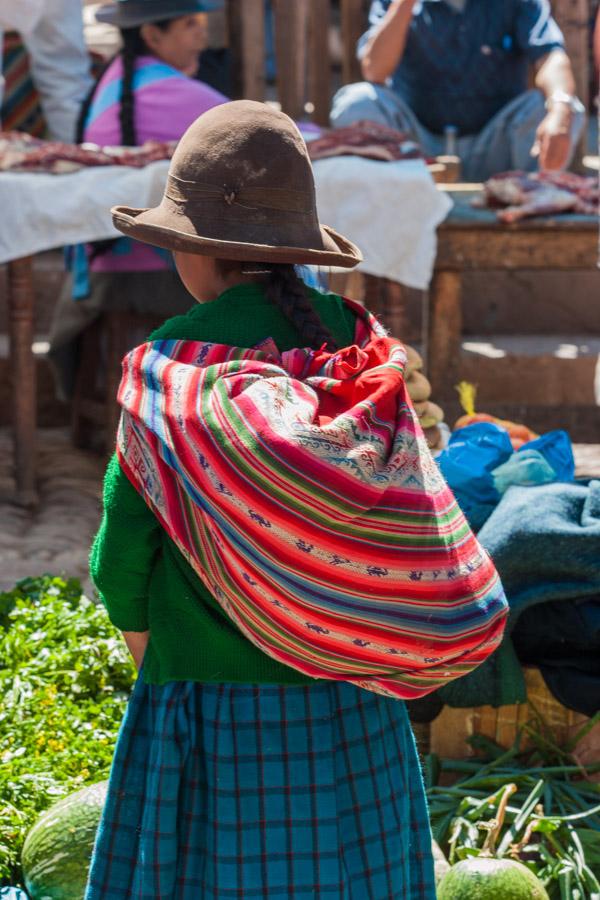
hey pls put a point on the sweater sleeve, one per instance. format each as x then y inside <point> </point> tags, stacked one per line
<point>124,551</point>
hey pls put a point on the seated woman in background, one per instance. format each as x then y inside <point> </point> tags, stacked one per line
<point>147,92</point>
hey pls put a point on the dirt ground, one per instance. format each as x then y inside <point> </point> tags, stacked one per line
<point>56,536</point>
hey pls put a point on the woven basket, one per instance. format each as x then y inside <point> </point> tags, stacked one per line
<point>450,730</point>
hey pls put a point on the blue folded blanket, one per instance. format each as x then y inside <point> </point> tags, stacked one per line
<point>545,542</point>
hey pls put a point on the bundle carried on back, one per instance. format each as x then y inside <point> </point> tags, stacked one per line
<point>300,488</point>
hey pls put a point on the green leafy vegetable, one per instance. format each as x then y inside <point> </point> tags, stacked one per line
<point>65,675</point>
<point>533,806</point>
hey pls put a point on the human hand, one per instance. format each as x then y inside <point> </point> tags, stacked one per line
<point>553,138</point>
<point>137,641</point>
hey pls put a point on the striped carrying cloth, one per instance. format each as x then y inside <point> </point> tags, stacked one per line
<point>300,488</point>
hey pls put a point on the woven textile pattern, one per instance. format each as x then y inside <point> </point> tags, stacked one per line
<point>300,488</point>
<point>222,792</point>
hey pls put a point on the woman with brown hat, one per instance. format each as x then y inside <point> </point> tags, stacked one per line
<point>236,774</point>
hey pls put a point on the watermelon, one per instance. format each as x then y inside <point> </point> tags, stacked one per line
<point>440,863</point>
<point>487,878</point>
<point>58,849</point>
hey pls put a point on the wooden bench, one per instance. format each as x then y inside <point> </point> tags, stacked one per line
<point>473,239</point>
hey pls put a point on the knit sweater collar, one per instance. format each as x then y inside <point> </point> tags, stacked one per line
<point>248,292</point>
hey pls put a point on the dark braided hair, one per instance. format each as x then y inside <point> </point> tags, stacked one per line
<point>288,293</point>
<point>133,46</point>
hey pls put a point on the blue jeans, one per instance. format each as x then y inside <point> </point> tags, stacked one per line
<point>505,143</point>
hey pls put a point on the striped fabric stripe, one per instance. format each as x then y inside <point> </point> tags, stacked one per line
<point>300,488</point>
<point>21,109</point>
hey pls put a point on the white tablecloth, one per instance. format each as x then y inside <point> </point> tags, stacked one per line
<point>391,210</point>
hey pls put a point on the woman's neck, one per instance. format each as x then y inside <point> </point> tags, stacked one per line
<point>205,279</point>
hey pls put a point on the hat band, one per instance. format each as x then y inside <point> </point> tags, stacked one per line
<point>276,199</point>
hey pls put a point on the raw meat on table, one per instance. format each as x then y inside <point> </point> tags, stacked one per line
<point>522,194</point>
<point>22,153</point>
<point>367,139</point>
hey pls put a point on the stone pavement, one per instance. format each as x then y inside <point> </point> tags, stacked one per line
<point>55,537</point>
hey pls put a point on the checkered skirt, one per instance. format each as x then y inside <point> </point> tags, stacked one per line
<point>263,791</point>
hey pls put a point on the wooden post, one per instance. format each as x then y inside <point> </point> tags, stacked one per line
<point>348,284</point>
<point>394,316</point>
<point>573,16</point>
<point>386,299</point>
<point>21,313</point>
<point>246,25</point>
<point>291,43</point>
<point>442,330</point>
<point>319,68</point>
<point>117,331</point>
<point>374,295</point>
<point>354,23</point>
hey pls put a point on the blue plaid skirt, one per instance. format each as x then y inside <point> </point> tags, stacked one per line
<point>263,791</point>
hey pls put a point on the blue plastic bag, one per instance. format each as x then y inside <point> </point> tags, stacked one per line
<point>480,464</point>
<point>546,459</point>
<point>526,468</point>
<point>557,450</point>
<point>467,464</point>
<point>12,893</point>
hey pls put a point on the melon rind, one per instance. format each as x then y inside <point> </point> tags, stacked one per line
<point>58,849</point>
<point>486,878</point>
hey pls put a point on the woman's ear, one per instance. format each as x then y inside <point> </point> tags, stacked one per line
<point>150,35</point>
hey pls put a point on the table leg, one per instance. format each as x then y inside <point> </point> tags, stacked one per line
<point>117,347</point>
<point>22,360</point>
<point>442,328</point>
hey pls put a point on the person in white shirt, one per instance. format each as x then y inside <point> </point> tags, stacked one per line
<point>52,31</point>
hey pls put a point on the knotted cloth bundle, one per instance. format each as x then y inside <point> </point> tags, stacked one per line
<point>300,488</point>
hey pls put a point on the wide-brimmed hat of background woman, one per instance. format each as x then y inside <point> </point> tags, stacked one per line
<point>132,13</point>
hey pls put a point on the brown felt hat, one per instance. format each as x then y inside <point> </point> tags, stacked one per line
<point>240,186</point>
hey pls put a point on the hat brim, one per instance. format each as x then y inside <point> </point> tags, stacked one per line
<point>115,14</point>
<point>337,250</point>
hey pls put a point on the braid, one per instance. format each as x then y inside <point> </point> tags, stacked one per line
<point>133,46</point>
<point>288,293</point>
<point>85,106</point>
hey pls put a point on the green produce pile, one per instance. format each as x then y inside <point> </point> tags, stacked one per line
<point>535,807</point>
<point>65,675</point>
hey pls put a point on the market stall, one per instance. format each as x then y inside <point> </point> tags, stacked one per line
<point>56,210</point>
<point>475,239</point>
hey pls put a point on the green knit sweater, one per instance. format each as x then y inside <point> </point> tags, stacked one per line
<point>143,579</point>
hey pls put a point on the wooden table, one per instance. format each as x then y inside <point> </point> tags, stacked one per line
<point>20,302</point>
<point>474,240</point>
